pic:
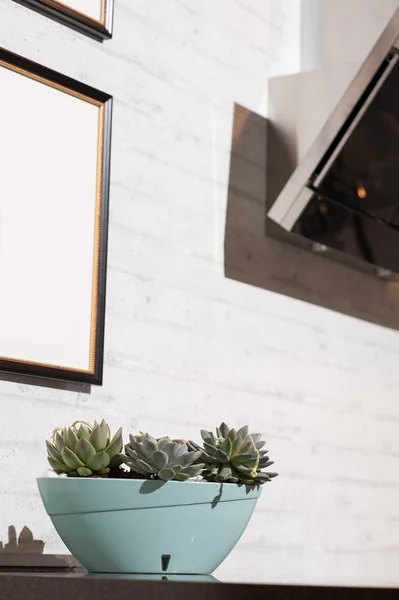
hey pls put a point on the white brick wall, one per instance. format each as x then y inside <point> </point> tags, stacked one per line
<point>186,347</point>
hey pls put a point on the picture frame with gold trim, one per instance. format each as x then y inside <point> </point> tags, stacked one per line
<point>90,17</point>
<point>54,197</point>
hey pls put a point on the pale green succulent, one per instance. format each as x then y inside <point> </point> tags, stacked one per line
<point>234,456</point>
<point>161,459</point>
<point>83,450</point>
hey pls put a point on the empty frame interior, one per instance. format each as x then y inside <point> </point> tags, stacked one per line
<point>94,9</point>
<point>52,225</point>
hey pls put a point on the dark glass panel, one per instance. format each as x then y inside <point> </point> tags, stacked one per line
<point>341,229</point>
<point>365,174</point>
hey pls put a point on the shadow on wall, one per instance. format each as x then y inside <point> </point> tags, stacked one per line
<point>24,544</point>
<point>53,384</point>
<point>256,249</point>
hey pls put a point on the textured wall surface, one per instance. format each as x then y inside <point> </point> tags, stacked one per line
<point>186,347</point>
<point>340,31</point>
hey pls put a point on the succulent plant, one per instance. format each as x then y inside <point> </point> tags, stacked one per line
<point>234,456</point>
<point>83,450</point>
<point>161,459</point>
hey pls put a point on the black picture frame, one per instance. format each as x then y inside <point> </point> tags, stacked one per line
<point>94,97</point>
<point>59,11</point>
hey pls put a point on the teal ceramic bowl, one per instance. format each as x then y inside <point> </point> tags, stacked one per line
<point>136,526</point>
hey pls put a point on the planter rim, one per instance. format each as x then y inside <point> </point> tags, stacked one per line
<point>141,481</point>
<point>67,495</point>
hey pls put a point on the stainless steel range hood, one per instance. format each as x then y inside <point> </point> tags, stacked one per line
<point>343,197</point>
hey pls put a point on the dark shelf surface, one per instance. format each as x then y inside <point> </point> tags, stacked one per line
<point>81,586</point>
